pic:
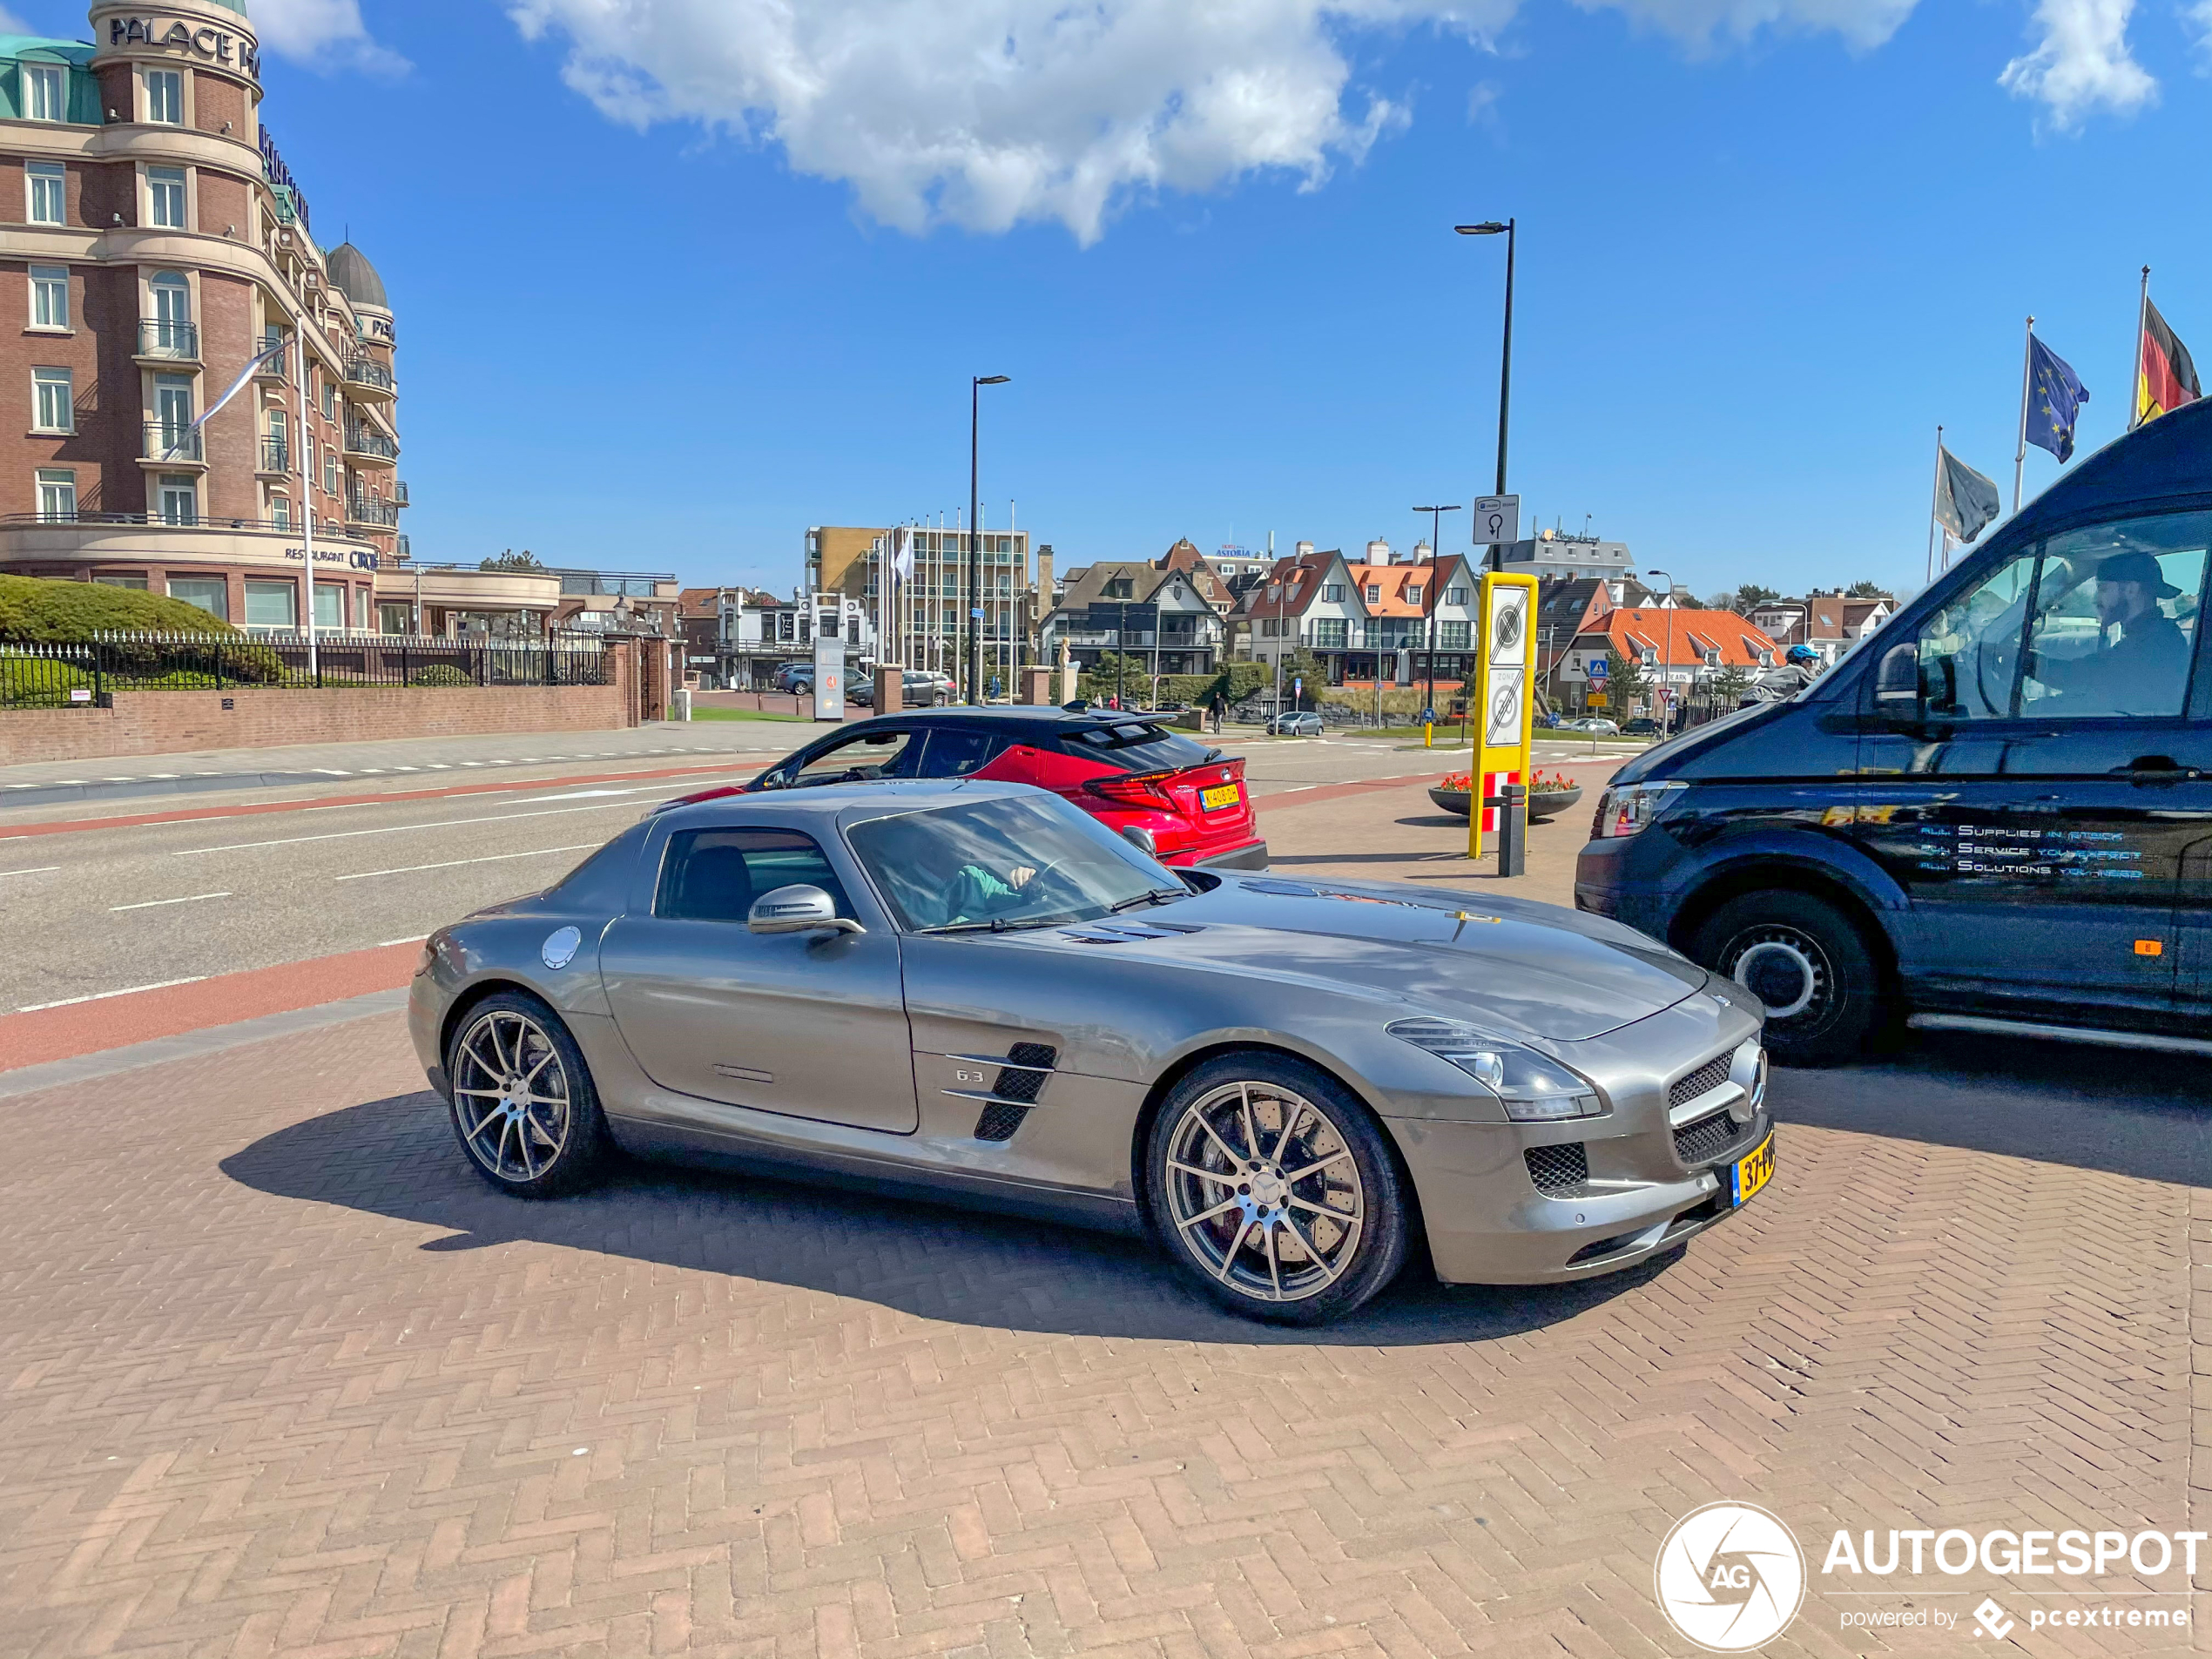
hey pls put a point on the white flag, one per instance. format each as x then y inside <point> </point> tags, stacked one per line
<point>902,553</point>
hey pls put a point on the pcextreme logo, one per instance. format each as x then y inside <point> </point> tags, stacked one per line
<point>1729,1577</point>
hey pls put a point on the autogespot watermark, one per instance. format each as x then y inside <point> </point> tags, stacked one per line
<point>1730,1577</point>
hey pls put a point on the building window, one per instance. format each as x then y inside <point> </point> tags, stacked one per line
<point>1453,636</point>
<point>1412,593</point>
<point>49,296</point>
<point>329,399</point>
<point>1333,593</point>
<point>135,583</point>
<point>360,611</point>
<point>392,617</point>
<point>329,472</point>
<point>47,187</point>
<point>330,607</point>
<point>210,593</point>
<point>1455,596</point>
<point>178,501</point>
<point>273,605</point>
<point>165,96</point>
<point>56,495</point>
<point>45,89</point>
<point>166,197</point>
<point>172,314</point>
<point>53,405</point>
<point>1331,634</point>
<point>281,511</point>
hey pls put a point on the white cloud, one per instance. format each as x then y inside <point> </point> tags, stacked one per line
<point>2082,64</point>
<point>2200,17</point>
<point>322,32</point>
<point>991,113</point>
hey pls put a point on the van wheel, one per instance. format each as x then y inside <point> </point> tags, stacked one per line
<point>1808,962</point>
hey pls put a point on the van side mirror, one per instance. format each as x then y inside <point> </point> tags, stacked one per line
<point>1897,679</point>
<point>798,909</point>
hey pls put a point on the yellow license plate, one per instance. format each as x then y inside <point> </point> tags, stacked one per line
<point>1750,1172</point>
<point>1216,799</point>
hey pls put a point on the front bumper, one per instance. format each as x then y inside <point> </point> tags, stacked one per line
<point>1250,856</point>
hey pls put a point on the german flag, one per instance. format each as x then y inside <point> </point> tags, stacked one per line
<point>2166,377</point>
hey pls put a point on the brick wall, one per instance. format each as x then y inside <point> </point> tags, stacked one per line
<point>147,723</point>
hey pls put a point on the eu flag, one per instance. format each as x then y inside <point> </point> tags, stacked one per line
<point>2055,395</point>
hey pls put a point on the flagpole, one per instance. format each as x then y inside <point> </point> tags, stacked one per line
<point>306,496</point>
<point>1934,491</point>
<point>2019,456</point>
<point>2135,365</point>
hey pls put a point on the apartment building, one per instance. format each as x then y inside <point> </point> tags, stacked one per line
<point>156,245</point>
<point>1376,618</point>
<point>926,623</point>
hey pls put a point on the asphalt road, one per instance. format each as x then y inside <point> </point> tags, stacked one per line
<point>116,907</point>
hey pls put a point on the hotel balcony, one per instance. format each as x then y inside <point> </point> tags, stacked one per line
<point>398,496</point>
<point>369,378</point>
<point>365,442</point>
<point>367,513</point>
<point>163,340</point>
<point>277,368</point>
<point>276,457</point>
<point>172,446</point>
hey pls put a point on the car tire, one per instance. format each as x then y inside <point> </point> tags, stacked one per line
<point>523,1106</point>
<point>1808,962</point>
<point>1312,1233</point>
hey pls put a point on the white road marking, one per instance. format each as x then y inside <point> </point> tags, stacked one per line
<point>44,869</point>
<point>453,864</point>
<point>148,904</point>
<point>412,939</point>
<point>101,996</point>
<point>391,829</point>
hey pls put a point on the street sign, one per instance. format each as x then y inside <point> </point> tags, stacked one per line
<point>1597,668</point>
<point>1497,520</point>
<point>1505,670</point>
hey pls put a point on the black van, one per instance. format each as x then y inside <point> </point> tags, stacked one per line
<point>1994,813</point>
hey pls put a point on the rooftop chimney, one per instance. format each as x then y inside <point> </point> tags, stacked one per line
<point>1379,551</point>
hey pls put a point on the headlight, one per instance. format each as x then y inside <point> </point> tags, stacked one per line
<point>1532,1089</point>
<point>1626,808</point>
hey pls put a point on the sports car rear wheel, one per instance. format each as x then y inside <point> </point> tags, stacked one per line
<point>1272,1188</point>
<point>524,1107</point>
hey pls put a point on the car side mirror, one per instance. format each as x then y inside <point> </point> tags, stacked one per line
<point>1897,680</point>
<point>798,909</point>
<point>1142,839</point>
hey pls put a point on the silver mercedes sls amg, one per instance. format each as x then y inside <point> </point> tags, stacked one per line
<point>975,992</point>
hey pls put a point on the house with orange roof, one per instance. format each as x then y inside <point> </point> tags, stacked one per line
<point>1678,649</point>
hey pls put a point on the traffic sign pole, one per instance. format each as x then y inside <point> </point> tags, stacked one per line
<point>1504,709</point>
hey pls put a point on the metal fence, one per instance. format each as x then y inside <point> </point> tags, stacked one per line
<point>81,673</point>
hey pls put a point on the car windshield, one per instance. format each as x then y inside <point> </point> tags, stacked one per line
<point>1003,863</point>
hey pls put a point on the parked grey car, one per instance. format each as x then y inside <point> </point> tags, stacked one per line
<point>1294,726</point>
<point>978,993</point>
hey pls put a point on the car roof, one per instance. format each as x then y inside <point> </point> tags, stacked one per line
<point>827,804</point>
<point>1036,719</point>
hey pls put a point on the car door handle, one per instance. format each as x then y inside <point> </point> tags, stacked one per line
<point>2158,769</point>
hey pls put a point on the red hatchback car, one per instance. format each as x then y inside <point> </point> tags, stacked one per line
<point>1126,770</point>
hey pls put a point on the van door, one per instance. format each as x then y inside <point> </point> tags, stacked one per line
<point>2031,775</point>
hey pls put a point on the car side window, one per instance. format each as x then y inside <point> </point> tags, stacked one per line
<point>954,752</point>
<point>863,755</point>
<point>2098,622</point>
<point>715,874</point>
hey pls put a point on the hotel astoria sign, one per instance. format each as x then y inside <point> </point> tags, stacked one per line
<point>215,46</point>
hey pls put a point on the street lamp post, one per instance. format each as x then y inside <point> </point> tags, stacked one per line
<point>1491,227</point>
<point>1428,588</point>
<point>976,386</point>
<point>1667,656</point>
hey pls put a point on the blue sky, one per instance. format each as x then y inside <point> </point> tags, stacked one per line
<point>1754,272</point>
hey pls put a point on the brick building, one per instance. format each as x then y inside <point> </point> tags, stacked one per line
<point>153,245</point>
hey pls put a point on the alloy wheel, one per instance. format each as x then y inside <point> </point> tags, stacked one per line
<point>1784,968</point>
<point>1264,1192</point>
<point>511,1096</point>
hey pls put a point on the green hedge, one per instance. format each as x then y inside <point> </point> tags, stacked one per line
<point>441,674</point>
<point>54,612</point>
<point>26,684</point>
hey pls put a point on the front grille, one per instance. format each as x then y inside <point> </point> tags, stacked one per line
<point>1714,1135</point>
<point>1558,1169</point>
<point>1704,1081</point>
<point>999,1122</point>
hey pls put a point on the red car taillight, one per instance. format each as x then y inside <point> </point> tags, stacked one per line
<point>704,794</point>
<point>1142,789</point>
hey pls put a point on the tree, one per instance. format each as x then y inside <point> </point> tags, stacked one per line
<point>1624,681</point>
<point>1749,595</point>
<point>510,560</point>
<point>1866,590</point>
<point>1302,665</point>
<point>1129,677</point>
<point>1729,685</point>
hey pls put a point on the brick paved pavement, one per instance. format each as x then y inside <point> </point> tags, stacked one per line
<point>278,1376</point>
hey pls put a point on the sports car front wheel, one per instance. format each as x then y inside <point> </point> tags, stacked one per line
<point>524,1107</point>
<point>1273,1190</point>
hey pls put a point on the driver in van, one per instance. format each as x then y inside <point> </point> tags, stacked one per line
<point>2141,669</point>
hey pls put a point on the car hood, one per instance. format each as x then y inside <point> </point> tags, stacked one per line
<point>1515,968</point>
